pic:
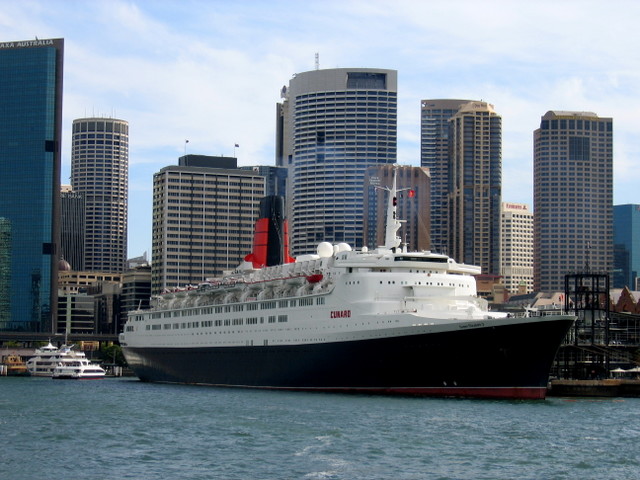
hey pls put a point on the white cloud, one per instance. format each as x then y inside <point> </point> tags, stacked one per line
<point>211,71</point>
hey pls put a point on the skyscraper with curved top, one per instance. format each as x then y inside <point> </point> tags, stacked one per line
<point>100,171</point>
<point>331,126</point>
<point>475,186</point>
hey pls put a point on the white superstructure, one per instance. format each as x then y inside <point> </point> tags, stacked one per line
<point>47,358</point>
<point>337,294</point>
<point>78,369</point>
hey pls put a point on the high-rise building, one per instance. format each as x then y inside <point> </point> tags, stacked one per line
<point>72,221</point>
<point>30,133</point>
<point>136,291</point>
<point>100,172</point>
<point>434,154</point>
<point>203,221</point>
<point>275,178</point>
<point>573,197</point>
<point>626,244</point>
<point>517,248</point>
<point>331,126</point>
<point>475,186</point>
<point>412,201</point>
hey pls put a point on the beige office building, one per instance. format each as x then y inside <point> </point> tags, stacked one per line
<point>573,197</point>
<point>203,221</point>
<point>517,248</point>
<point>475,192</point>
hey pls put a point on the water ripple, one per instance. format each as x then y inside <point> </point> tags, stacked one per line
<point>122,428</point>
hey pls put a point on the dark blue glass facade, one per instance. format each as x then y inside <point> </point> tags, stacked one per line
<point>626,241</point>
<point>30,130</point>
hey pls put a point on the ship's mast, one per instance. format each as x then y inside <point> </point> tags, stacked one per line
<point>391,238</point>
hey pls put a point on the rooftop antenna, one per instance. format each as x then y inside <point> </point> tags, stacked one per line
<point>317,61</point>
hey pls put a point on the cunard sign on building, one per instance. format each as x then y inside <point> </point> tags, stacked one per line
<point>50,42</point>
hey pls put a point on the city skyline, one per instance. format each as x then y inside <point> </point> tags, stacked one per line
<point>211,72</point>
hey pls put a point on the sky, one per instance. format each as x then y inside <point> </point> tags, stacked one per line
<point>211,72</point>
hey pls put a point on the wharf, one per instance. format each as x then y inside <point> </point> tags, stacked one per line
<point>594,388</point>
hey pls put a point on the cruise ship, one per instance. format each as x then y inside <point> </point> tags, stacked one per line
<point>378,321</point>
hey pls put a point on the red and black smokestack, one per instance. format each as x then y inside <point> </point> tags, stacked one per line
<point>271,235</point>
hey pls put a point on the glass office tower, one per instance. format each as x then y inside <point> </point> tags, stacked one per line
<point>30,119</point>
<point>331,126</point>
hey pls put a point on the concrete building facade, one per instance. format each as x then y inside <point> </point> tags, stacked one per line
<point>331,126</point>
<point>517,248</point>
<point>434,155</point>
<point>475,186</point>
<point>573,197</point>
<point>203,220</point>
<point>100,172</point>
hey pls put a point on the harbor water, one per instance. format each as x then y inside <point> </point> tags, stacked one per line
<point>122,428</point>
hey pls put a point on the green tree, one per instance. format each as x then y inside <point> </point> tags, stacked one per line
<point>112,354</point>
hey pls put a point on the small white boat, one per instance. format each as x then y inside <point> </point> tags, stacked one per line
<point>49,357</point>
<point>78,369</point>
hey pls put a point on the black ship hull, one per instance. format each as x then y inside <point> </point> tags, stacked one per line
<point>507,361</point>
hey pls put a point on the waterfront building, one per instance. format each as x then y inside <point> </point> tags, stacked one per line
<point>76,313</point>
<point>203,220</point>
<point>72,281</point>
<point>88,302</point>
<point>626,244</point>
<point>100,172</point>
<point>573,197</point>
<point>331,126</point>
<point>72,222</point>
<point>516,248</point>
<point>31,119</point>
<point>475,186</point>
<point>412,202</point>
<point>434,155</point>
